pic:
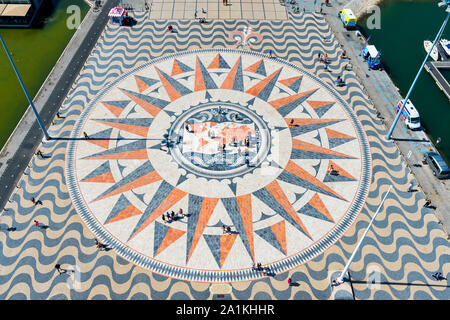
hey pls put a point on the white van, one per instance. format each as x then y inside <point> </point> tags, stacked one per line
<point>410,115</point>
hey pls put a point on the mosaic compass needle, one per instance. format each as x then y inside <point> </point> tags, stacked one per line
<point>219,138</point>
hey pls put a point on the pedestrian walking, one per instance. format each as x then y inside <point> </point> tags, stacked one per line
<point>163,218</point>
<point>39,153</point>
<point>224,229</point>
<point>180,212</point>
<point>229,230</point>
<point>437,275</point>
<point>289,281</point>
<point>291,123</point>
<point>427,203</point>
<point>270,53</point>
<point>85,135</point>
<point>59,269</point>
<point>36,223</point>
<point>410,187</point>
<point>99,245</point>
<point>170,28</point>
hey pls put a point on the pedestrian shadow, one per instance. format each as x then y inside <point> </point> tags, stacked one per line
<point>9,229</point>
<point>294,284</point>
<point>411,139</point>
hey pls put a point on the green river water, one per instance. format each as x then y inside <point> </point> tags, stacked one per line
<point>404,26</point>
<point>35,52</point>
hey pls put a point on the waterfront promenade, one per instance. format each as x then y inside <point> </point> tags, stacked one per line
<point>115,97</point>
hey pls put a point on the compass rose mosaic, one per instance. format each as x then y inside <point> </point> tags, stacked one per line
<point>218,138</point>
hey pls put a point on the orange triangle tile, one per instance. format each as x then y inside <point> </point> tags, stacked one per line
<point>129,155</point>
<point>257,88</point>
<point>254,67</point>
<point>286,100</point>
<point>298,171</point>
<point>148,178</point>
<point>103,178</point>
<point>302,145</point>
<point>151,109</point>
<point>318,204</point>
<point>337,135</point>
<point>226,243</point>
<point>114,109</point>
<point>308,121</point>
<point>279,230</point>
<point>171,91</point>
<point>138,130</point>
<point>318,104</point>
<point>101,143</point>
<point>176,68</point>
<point>245,208</point>
<point>142,86</point>
<point>229,81</point>
<point>199,81</point>
<point>215,63</point>
<point>339,169</point>
<point>171,236</point>
<point>288,82</point>
<point>279,195</point>
<point>126,213</point>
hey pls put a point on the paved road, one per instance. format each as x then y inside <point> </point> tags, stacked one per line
<point>27,136</point>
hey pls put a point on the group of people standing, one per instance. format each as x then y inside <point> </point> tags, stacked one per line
<point>172,216</point>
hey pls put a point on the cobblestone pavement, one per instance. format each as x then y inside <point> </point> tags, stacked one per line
<point>405,246</point>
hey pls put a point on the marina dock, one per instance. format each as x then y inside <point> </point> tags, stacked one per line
<point>432,68</point>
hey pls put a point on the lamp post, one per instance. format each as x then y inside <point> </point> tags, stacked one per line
<point>340,279</point>
<point>41,125</point>
<point>440,4</point>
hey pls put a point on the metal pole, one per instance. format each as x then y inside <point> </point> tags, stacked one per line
<point>25,91</point>
<point>340,279</point>
<point>388,136</point>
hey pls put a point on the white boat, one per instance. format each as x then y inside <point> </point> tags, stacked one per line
<point>434,53</point>
<point>445,44</point>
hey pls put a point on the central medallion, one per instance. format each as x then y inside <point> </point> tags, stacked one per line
<point>219,140</point>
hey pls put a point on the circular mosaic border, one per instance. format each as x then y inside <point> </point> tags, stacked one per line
<point>228,275</point>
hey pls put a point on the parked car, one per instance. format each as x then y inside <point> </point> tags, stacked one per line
<point>437,164</point>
